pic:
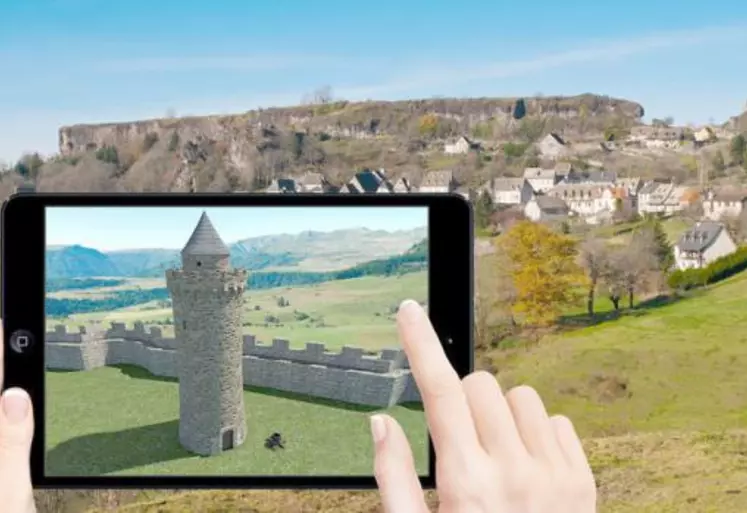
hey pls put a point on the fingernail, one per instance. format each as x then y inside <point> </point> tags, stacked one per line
<point>378,428</point>
<point>15,405</point>
<point>408,303</point>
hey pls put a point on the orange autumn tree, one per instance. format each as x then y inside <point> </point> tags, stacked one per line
<point>546,275</point>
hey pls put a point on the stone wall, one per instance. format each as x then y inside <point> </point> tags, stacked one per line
<point>349,375</point>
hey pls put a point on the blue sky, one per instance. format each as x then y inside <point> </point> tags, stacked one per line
<point>114,228</point>
<point>77,61</point>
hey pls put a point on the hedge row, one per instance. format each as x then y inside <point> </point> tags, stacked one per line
<point>718,270</point>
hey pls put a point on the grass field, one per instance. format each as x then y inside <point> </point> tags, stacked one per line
<point>357,312</point>
<point>124,421</point>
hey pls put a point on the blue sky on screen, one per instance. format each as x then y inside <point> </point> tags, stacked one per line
<point>115,228</point>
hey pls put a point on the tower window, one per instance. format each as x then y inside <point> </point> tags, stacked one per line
<point>199,263</point>
<point>184,325</point>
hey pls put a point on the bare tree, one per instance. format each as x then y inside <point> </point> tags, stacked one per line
<point>736,226</point>
<point>593,256</point>
<point>629,269</point>
<point>320,96</point>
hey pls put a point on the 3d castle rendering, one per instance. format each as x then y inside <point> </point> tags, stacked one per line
<point>213,360</point>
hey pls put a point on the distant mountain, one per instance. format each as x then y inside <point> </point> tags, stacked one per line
<point>78,262</point>
<point>304,252</point>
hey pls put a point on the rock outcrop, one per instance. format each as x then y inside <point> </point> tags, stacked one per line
<point>356,120</point>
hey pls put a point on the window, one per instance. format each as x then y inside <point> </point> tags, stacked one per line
<point>184,325</point>
<point>199,264</point>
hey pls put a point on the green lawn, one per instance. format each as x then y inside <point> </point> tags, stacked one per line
<point>357,312</point>
<point>124,421</point>
<point>659,397</point>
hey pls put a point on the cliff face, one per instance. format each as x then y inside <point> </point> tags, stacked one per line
<point>359,120</point>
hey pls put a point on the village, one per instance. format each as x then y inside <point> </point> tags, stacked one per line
<point>565,191</point>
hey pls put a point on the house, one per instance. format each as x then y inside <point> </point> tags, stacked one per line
<point>438,182</point>
<point>541,180</point>
<point>313,182</point>
<point>509,191</point>
<point>282,185</point>
<point>662,197</point>
<point>705,135</point>
<point>401,185</point>
<point>546,209</point>
<point>724,203</point>
<point>367,181</point>
<point>552,146</point>
<point>462,146</point>
<point>592,201</point>
<point>702,244</point>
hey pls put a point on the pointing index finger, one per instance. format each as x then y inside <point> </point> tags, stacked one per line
<point>446,408</point>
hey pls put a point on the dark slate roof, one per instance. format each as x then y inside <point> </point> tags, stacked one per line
<point>700,237</point>
<point>283,185</point>
<point>205,240</point>
<point>369,180</point>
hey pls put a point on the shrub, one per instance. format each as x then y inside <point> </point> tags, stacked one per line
<point>150,140</point>
<point>515,149</point>
<point>716,271</point>
<point>173,141</point>
<point>108,154</point>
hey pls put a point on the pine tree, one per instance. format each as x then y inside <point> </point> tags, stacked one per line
<point>483,210</point>
<point>738,149</point>
<point>662,248</point>
<point>520,109</point>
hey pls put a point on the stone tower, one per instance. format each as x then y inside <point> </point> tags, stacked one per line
<point>206,295</point>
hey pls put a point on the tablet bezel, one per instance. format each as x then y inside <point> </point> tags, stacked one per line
<point>450,269</point>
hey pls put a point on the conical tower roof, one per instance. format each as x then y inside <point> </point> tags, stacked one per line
<point>205,240</point>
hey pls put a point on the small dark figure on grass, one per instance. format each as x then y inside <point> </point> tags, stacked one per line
<point>274,441</point>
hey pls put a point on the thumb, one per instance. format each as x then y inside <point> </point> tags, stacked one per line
<point>394,468</point>
<point>16,432</point>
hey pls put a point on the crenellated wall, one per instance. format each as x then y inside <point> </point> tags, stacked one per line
<point>349,375</point>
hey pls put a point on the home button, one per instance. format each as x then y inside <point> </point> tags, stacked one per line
<point>21,341</point>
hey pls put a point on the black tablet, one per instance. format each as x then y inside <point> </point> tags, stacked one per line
<point>226,340</point>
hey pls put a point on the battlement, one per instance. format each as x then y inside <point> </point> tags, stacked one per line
<point>376,379</point>
<point>314,353</point>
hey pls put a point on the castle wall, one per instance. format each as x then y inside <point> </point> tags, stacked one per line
<point>348,375</point>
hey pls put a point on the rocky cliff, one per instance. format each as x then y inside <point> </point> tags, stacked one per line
<point>359,120</point>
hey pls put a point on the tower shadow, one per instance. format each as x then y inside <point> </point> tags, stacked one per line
<point>116,451</point>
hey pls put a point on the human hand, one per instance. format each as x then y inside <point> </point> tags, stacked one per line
<point>495,453</point>
<point>16,432</point>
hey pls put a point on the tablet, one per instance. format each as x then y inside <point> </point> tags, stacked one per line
<point>239,340</point>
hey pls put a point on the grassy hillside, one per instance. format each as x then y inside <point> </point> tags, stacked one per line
<point>358,311</point>
<point>660,399</point>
